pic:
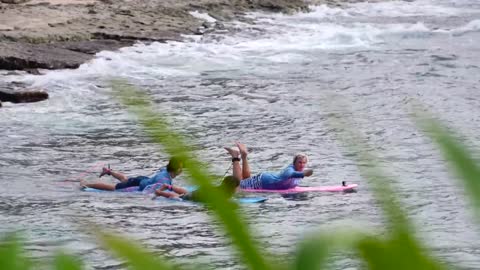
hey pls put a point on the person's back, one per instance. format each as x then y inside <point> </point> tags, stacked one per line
<point>164,175</point>
<point>160,177</point>
<point>287,178</point>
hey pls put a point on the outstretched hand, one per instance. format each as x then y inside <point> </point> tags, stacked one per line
<point>308,172</point>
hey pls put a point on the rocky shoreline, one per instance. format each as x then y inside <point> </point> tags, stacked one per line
<point>59,34</point>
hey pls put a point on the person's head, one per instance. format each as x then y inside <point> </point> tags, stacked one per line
<point>229,185</point>
<point>299,162</point>
<point>175,166</point>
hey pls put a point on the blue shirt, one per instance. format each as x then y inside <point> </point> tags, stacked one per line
<point>160,177</point>
<point>287,178</point>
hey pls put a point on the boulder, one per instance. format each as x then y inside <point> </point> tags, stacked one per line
<point>18,56</point>
<point>23,97</point>
<point>14,1</point>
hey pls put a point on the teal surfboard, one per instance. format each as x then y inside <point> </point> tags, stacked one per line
<point>237,199</point>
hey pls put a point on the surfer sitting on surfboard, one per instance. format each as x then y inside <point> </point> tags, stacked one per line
<point>227,187</point>
<point>164,175</point>
<point>288,178</point>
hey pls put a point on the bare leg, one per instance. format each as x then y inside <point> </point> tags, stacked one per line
<point>245,167</point>
<point>120,176</point>
<point>116,175</point>
<point>237,171</point>
<point>102,186</point>
<point>179,190</point>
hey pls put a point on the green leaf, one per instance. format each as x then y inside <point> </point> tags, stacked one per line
<point>66,262</point>
<point>135,255</point>
<point>459,158</point>
<point>358,147</point>
<point>157,127</point>
<point>11,254</point>
<point>400,249</point>
<point>314,250</point>
<point>398,252</point>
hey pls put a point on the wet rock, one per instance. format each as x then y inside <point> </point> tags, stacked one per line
<point>33,71</point>
<point>14,1</point>
<point>18,55</point>
<point>285,6</point>
<point>220,26</point>
<point>138,34</point>
<point>51,34</point>
<point>23,97</point>
<point>95,46</point>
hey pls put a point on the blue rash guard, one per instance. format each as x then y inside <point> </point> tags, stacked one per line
<point>160,177</point>
<point>286,179</point>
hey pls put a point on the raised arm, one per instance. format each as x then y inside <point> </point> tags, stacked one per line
<point>290,172</point>
<point>177,191</point>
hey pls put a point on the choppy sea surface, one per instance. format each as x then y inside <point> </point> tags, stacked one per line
<point>273,85</point>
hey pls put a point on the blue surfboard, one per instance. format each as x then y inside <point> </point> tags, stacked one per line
<point>237,199</point>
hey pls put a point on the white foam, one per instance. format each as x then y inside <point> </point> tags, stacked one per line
<point>404,9</point>
<point>202,16</point>
<point>473,26</point>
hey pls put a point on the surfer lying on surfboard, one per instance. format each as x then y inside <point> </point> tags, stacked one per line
<point>288,178</point>
<point>164,175</point>
<point>227,187</point>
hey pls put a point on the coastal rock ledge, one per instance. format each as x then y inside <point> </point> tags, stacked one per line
<point>59,34</point>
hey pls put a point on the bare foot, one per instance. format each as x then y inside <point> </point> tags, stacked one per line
<point>105,171</point>
<point>83,184</point>
<point>242,148</point>
<point>233,152</point>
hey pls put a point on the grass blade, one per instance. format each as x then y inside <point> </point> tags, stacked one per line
<point>313,251</point>
<point>66,262</point>
<point>457,156</point>
<point>158,129</point>
<point>11,254</point>
<point>400,249</point>
<point>377,180</point>
<point>135,255</point>
<point>397,253</point>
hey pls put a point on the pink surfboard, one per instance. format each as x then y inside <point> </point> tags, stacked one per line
<point>306,189</point>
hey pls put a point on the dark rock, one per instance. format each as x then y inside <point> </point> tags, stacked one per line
<point>95,46</point>
<point>17,55</point>
<point>14,1</point>
<point>219,26</point>
<point>285,6</point>
<point>23,97</point>
<point>207,25</point>
<point>33,71</point>
<point>159,36</point>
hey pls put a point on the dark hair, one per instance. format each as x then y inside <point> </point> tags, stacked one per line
<point>175,164</point>
<point>229,185</point>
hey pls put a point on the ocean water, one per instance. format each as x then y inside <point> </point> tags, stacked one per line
<point>273,85</point>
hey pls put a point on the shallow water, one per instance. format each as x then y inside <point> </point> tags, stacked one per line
<point>274,86</point>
